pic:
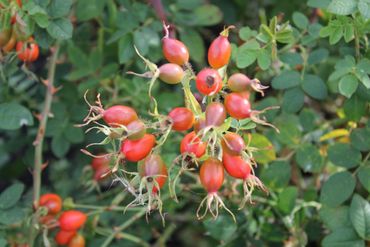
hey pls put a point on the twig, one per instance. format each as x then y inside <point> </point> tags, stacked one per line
<point>40,140</point>
<point>122,227</point>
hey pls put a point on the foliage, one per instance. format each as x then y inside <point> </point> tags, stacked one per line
<point>314,58</point>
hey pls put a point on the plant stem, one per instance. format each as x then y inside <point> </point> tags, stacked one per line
<point>40,140</point>
<point>122,227</point>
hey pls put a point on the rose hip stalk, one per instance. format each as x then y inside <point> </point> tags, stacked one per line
<point>212,177</point>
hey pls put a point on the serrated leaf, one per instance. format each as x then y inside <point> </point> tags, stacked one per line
<point>348,85</point>
<point>364,175</point>
<point>293,100</point>
<point>245,33</point>
<point>265,150</point>
<point>309,159</point>
<point>277,174</point>
<point>344,155</point>
<point>335,218</point>
<point>59,8</point>
<point>343,237</point>
<point>300,20</point>
<point>194,41</point>
<point>337,189</point>
<point>11,195</point>
<point>207,15</point>
<point>360,216</point>
<point>60,146</point>
<point>125,48</point>
<point>364,8</point>
<point>360,139</point>
<point>354,108</point>
<point>342,7</point>
<point>13,116</point>
<point>287,198</point>
<point>318,56</point>
<point>263,59</point>
<point>221,228</point>
<point>60,29</point>
<point>287,79</point>
<point>315,87</point>
<point>247,54</point>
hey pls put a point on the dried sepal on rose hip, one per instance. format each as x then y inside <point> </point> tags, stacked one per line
<point>212,177</point>
<point>151,177</point>
<point>240,168</point>
<point>239,82</point>
<point>192,148</point>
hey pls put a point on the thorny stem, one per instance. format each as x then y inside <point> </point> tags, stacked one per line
<point>122,227</point>
<point>40,140</point>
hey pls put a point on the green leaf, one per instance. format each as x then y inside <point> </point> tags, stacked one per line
<point>343,237</point>
<point>348,85</point>
<point>264,59</point>
<point>287,79</point>
<point>290,130</point>
<point>3,242</point>
<point>364,175</point>
<point>59,8</point>
<point>142,39</point>
<point>360,216</point>
<point>291,58</point>
<point>336,35</point>
<point>364,8</point>
<point>207,15</point>
<point>222,228</point>
<point>309,159</point>
<point>125,48</point>
<point>335,218</point>
<point>300,20</point>
<point>77,57</point>
<point>194,41</point>
<point>13,116</point>
<point>245,33</point>
<point>318,3</point>
<point>317,56</point>
<point>293,100</point>
<point>41,20</point>
<point>287,198</point>
<point>89,9</point>
<point>60,29</point>
<point>73,134</point>
<point>337,189</point>
<point>11,195</point>
<point>342,154</point>
<point>60,146</point>
<point>247,54</point>
<point>349,32</point>
<point>354,108</point>
<point>342,7</point>
<point>315,87</point>
<point>266,152</point>
<point>12,216</point>
<point>360,139</point>
<point>277,174</point>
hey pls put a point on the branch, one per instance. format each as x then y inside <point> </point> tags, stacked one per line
<point>40,140</point>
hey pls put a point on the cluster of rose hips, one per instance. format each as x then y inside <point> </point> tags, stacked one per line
<point>213,144</point>
<point>69,222</point>
<point>14,37</point>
